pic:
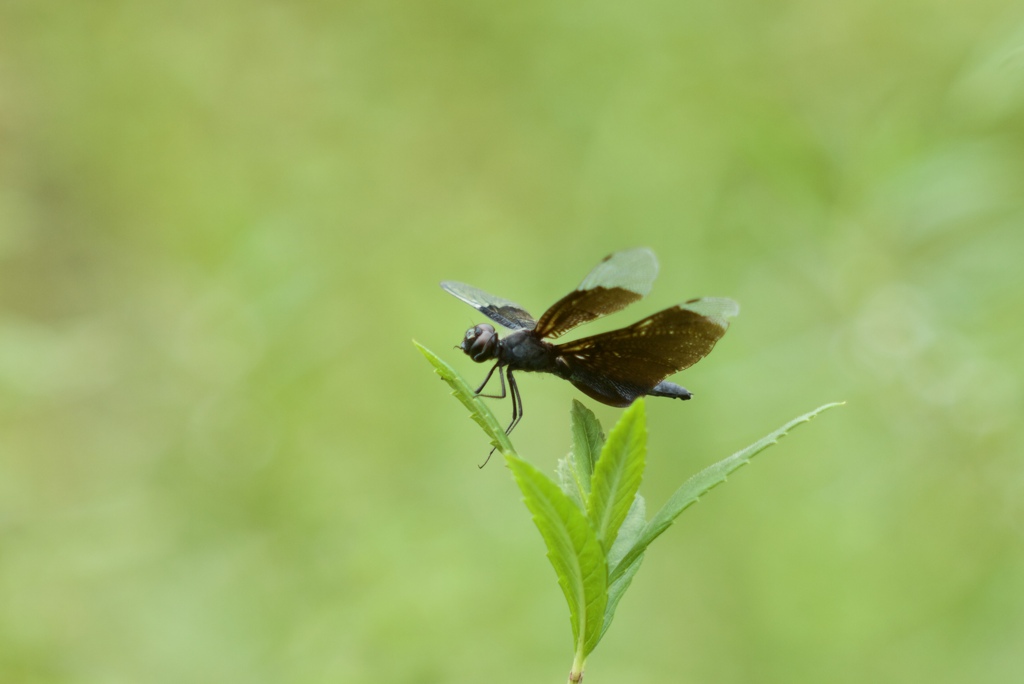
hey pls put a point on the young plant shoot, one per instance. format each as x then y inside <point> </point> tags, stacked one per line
<point>591,515</point>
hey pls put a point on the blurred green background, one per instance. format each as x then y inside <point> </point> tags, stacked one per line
<point>222,224</point>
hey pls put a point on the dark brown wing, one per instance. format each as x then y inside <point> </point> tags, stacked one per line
<point>502,311</point>
<point>617,367</point>
<point>618,281</point>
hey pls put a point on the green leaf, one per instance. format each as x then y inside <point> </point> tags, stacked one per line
<point>573,550</point>
<point>478,410</point>
<point>630,531</point>
<point>587,442</point>
<point>569,483</point>
<point>576,470</point>
<point>615,591</point>
<point>698,485</point>
<point>617,474</point>
<point>624,541</point>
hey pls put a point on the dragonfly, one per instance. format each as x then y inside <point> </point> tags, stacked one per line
<point>615,367</point>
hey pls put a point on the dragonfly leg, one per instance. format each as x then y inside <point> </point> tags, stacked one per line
<point>515,394</point>
<point>501,376</point>
<point>517,404</point>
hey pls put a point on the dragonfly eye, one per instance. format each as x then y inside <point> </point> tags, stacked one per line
<point>481,343</point>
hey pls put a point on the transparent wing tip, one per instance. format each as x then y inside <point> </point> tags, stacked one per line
<point>721,308</point>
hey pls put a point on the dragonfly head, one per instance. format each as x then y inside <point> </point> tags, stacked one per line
<point>480,343</point>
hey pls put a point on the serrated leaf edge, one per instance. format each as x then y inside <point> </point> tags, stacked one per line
<point>479,411</point>
<point>683,497</point>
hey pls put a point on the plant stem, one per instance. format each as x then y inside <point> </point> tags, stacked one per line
<point>576,674</point>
